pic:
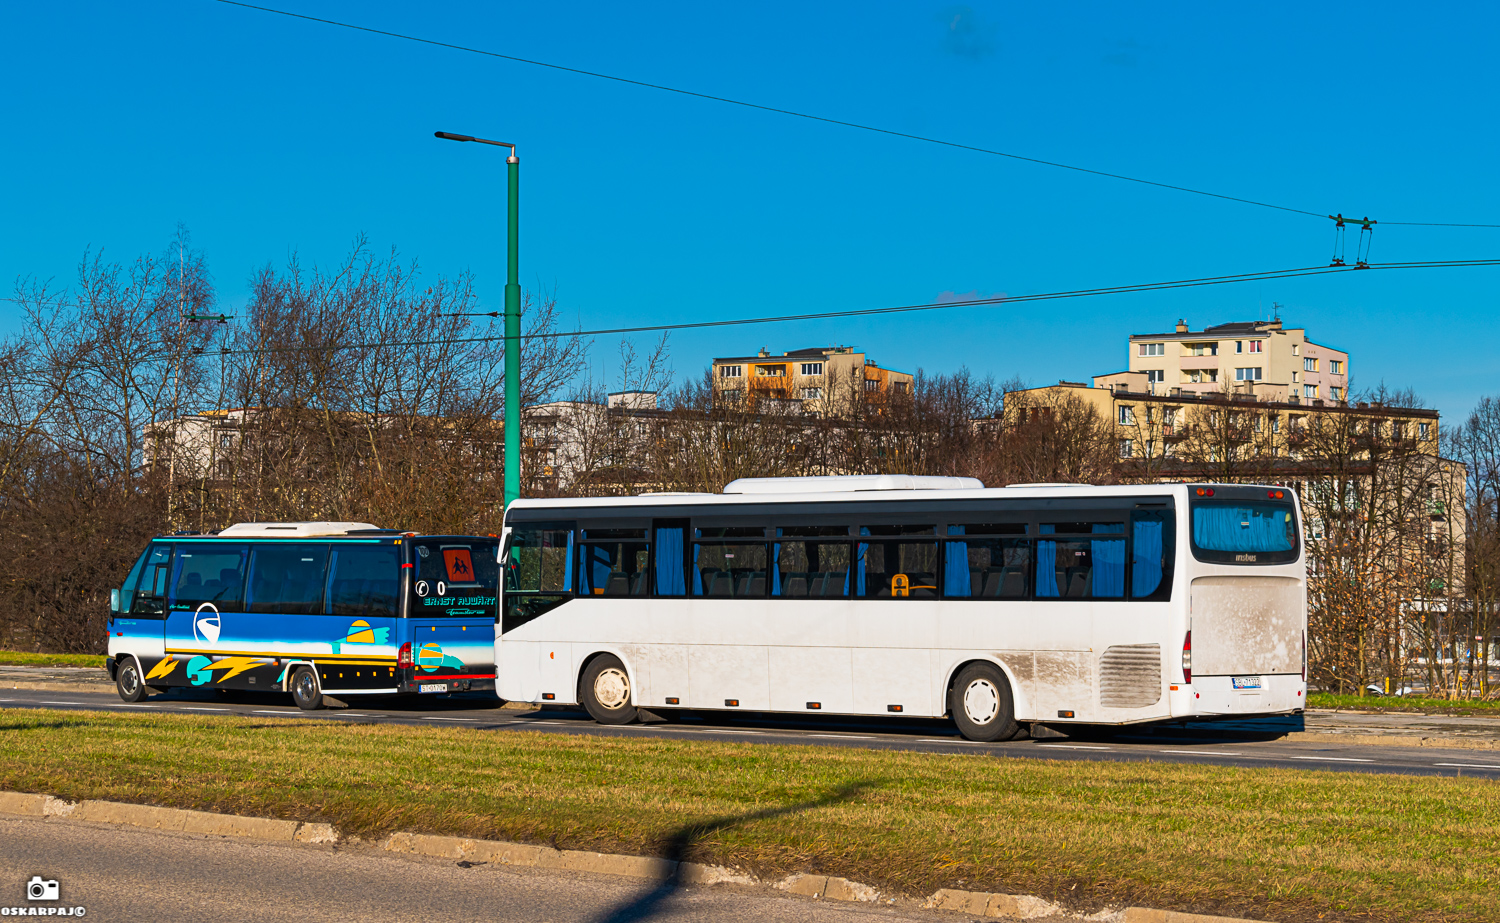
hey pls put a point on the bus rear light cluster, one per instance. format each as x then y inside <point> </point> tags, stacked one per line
<point>1187,657</point>
<point>1205,491</point>
<point>403,656</point>
<point>1275,494</point>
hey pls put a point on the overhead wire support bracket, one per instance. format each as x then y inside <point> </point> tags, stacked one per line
<point>1361,249</point>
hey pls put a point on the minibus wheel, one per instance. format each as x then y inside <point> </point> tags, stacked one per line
<point>981,704</point>
<point>304,686</point>
<point>128,680</point>
<point>605,691</point>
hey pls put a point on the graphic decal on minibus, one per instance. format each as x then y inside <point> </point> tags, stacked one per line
<point>360,632</point>
<point>431,658</point>
<point>207,627</point>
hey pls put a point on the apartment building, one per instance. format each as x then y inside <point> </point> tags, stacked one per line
<point>1246,357</point>
<point>824,380</point>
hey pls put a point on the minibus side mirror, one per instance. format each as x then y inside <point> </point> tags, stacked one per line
<point>114,602</point>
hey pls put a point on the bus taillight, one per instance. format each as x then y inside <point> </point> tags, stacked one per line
<point>1187,657</point>
<point>403,656</point>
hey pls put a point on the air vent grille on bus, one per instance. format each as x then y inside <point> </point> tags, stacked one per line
<point>1130,676</point>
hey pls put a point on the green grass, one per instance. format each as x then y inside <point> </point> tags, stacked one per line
<point>1410,703</point>
<point>1270,843</point>
<point>25,659</point>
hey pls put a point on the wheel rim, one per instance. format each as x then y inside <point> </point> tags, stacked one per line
<point>981,701</point>
<point>612,688</point>
<point>129,680</point>
<point>304,686</point>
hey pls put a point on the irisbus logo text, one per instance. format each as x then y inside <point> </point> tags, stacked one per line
<point>1245,557</point>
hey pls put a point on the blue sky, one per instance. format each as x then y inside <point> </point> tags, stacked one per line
<point>267,136</point>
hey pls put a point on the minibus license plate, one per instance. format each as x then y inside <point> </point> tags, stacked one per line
<point>1240,682</point>
<point>443,687</point>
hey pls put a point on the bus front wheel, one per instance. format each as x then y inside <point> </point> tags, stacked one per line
<point>605,691</point>
<point>981,704</point>
<point>305,690</point>
<point>128,680</point>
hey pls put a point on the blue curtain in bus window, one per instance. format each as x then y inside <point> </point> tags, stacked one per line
<point>568,567</point>
<point>697,574</point>
<point>1145,566</point>
<point>1046,565</point>
<point>593,571</point>
<point>1240,528</point>
<point>956,566</point>
<point>1109,562</point>
<point>669,577</point>
<point>859,583</point>
<point>776,567</point>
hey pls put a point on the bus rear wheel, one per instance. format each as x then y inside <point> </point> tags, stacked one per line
<point>605,691</point>
<point>128,682</point>
<point>981,704</point>
<point>305,692</point>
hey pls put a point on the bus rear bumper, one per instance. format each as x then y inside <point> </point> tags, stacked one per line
<point>1245,694</point>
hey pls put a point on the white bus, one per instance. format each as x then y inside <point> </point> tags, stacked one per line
<point>1005,609</point>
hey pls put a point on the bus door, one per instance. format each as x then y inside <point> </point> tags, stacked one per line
<point>138,616</point>
<point>451,609</point>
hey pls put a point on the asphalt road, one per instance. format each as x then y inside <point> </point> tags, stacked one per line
<point>1241,743</point>
<point>125,874</point>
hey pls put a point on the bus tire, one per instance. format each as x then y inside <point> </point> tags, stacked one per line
<point>128,682</point>
<point>305,692</point>
<point>604,689</point>
<point>981,704</point>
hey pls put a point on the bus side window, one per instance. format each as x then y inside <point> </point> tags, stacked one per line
<point>288,579</point>
<point>364,580</point>
<point>1153,545</point>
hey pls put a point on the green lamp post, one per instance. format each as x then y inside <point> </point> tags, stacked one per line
<point>512,318</point>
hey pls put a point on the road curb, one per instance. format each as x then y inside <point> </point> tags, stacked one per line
<point>816,887</point>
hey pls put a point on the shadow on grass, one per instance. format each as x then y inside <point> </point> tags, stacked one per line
<point>39,725</point>
<point>682,840</point>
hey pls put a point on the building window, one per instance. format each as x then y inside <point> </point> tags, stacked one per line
<point>901,387</point>
<point>1309,390</point>
<point>1169,416</point>
<point>730,394</point>
<point>1239,346</point>
<point>1309,364</point>
<point>1425,429</point>
<point>1275,423</point>
<point>812,394</point>
<point>1247,374</point>
<point>1153,349</point>
<point>1256,345</point>
<point>1148,413</point>
<point>1150,447</point>
<point>1296,349</point>
<point>1335,393</point>
<point>1203,349</point>
<point>226,441</point>
<point>1156,376</point>
<point>771,371</point>
<point>1335,367</point>
<point>1125,448</point>
<point>1127,415</point>
<point>1398,429</point>
<point>731,371</point>
<point>812,368</point>
<point>872,384</point>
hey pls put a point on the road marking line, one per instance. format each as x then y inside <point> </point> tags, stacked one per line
<point>729,731</point>
<point>126,705</point>
<point>1469,765</point>
<point>1070,747</point>
<point>200,708</point>
<point>1332,759</point>
<point>1202,752</point>
<point>941,740</point>
<point>839,736</point>
<point>441,718</point>
<point>266,712</point>
<point>44,702</point>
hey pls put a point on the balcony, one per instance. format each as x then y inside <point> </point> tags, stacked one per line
<point>1199,362</point>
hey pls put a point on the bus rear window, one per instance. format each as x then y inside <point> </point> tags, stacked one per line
<point>1245,532</point>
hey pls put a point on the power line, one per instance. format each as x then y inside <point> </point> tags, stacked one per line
<point>868,312</point>
<point>773,109</point>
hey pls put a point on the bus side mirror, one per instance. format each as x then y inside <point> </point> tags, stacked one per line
<point>114,602</point>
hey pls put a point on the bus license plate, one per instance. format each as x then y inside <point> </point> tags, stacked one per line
<point>433,687</point>
<point>1246,682</point>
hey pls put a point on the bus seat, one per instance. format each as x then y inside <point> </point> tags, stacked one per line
<point>1078,582</point>
<point>618,585</point>
<point>833,583</point>
<point>794,585</point>
<point>991,580</point>
<point>755,584</point>
<point>721,584</point>
<point>638,584</point>
<point>977,583</point>
<point>1013,582</point>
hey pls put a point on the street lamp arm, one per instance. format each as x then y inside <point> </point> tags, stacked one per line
<point>449,136</point>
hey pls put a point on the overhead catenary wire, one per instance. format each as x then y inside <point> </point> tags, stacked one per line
<point>862,312</point>
<point>710,97</point>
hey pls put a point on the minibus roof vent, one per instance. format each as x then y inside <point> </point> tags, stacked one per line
<point>849,482</point>
<point>294,529</point>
